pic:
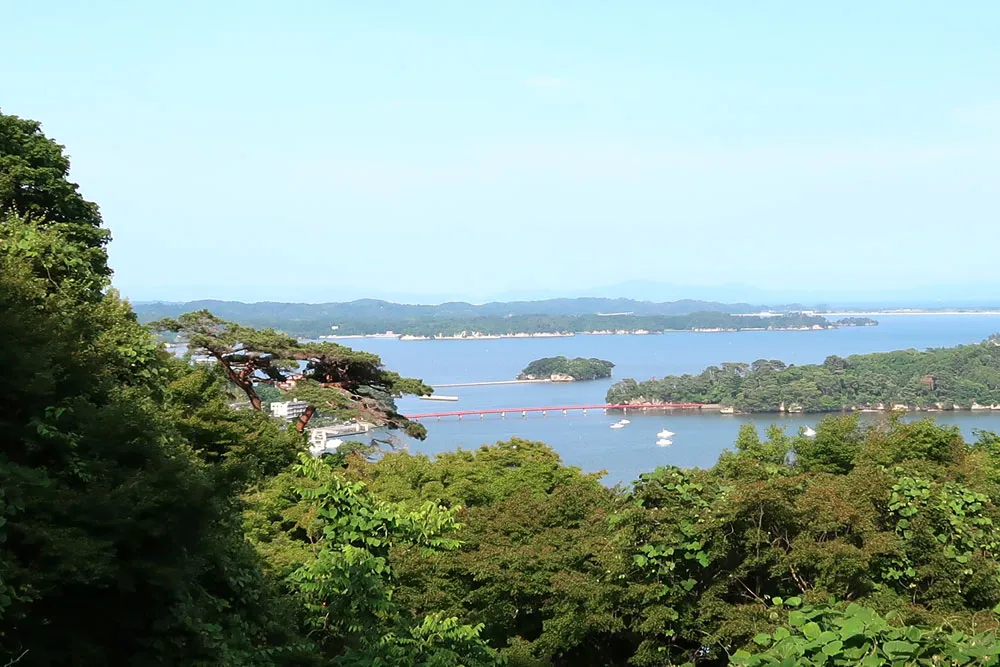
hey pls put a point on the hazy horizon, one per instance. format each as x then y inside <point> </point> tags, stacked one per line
<point>331,150</point>
<point>916,297</point>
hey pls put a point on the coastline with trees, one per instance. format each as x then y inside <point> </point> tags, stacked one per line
<point>437,325</point>
<point>966,377</point>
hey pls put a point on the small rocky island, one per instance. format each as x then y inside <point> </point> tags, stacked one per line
<point>845,322</point>
<point>561,369</point>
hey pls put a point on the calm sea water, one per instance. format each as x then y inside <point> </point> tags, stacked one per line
<point>587,441</point>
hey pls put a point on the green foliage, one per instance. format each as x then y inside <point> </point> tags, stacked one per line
<point>860,636</point>
<point>34,185</point>
<point>533,563</point>
<point>268,393</point>
<point>578,368</point>
<point>436,642</point>
<point>330,540</point>
<point>243,446</point>
<point>939,379</point>
<point>833,449</point>
<point>470,478</point>
<point>118,546</point>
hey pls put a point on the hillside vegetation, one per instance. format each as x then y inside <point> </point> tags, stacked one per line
<point>963,377</point>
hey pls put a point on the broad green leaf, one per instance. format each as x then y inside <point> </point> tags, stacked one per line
<point>833,648</point>
<point>898,649</point>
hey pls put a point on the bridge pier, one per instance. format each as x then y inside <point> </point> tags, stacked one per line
<point>503,415</point>
<point>564,412</point>
<point>585,411</point>
<point>524,413</point>
<point>481,415</point>
<point>544,412</point>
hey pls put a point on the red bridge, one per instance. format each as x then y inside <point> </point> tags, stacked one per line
<point>557,408</point>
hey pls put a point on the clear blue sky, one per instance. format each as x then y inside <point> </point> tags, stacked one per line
<point>330,150</point>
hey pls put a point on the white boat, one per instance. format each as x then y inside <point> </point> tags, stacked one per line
<point>618,425</point>
<point>624,421</point>
<point>663,442</point>
<point>665,434</point>
<point>809,432</point>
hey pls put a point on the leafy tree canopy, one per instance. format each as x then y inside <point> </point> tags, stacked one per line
<point>34,183</point>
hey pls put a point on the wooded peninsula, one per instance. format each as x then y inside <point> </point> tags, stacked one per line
<point>563,369</point>
<point>440,323</point>
<point>964,377</point>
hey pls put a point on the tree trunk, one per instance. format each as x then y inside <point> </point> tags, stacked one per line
<point>300,424</point>
<point>240,382</point>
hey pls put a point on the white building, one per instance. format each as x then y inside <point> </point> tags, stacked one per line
<point>323,440</point>
<point>344,429</point>
<point>288,410</point>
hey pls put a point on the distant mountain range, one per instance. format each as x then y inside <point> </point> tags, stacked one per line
<point>982,295</point>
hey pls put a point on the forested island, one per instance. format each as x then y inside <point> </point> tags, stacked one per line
<point>422,326</point>
<point>564,369</point>
<point>966,377</point>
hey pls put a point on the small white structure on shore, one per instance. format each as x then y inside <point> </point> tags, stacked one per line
<point>809,432</point>
<point>321,441</point>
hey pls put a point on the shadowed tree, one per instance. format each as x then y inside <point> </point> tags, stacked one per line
<point>332,378</point>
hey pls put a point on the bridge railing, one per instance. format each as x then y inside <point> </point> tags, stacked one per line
<point>558,408</point>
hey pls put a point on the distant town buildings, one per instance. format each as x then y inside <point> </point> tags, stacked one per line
<point>288,410</point>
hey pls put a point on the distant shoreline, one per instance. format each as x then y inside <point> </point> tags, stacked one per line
<point>638,332</point>
<point>889,313</point>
